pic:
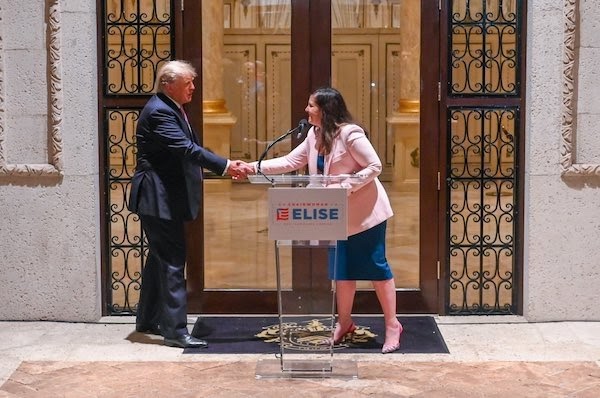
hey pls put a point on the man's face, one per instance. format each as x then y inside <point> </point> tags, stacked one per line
<point>181,89</point>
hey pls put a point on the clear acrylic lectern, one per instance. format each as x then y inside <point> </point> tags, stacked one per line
<point>306,212</point>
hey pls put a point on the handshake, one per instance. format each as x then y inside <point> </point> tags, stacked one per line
<point>238,169</point>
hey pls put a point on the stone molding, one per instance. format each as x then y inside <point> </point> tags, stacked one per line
<point>569,112</point>
<point>55,105</point>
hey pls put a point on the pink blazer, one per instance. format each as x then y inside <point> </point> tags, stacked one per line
<point>351,153</point>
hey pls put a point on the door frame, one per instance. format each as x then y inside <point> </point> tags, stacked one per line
<point>312,71</point>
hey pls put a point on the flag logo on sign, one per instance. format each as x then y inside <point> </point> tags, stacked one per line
<point>283,214</point>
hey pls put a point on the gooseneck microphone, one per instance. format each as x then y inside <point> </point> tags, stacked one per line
<point>301,126</point>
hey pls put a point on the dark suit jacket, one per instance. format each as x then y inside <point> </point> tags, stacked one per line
<point>166,183</point>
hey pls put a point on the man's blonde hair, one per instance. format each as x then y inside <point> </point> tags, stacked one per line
<point>171,71</point>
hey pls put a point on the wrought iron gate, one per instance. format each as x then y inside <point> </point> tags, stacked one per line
<point>482,101</point>
<point>137,38</point>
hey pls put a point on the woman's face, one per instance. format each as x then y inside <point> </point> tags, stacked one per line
<point>315,115</point>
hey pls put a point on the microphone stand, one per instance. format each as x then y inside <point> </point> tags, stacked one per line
<point>271,145</point>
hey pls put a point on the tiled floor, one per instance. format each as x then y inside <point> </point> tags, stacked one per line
<point>489,357</point>
<point>236,379</point>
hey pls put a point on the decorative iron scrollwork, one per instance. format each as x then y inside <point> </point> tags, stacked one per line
<point>484,38</point>
<point>127,248</point>
<point>482,209</point>
<point>137,40</point>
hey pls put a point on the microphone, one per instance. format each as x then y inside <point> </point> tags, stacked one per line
<point>301,126</point>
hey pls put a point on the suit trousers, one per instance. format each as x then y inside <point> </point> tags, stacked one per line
<point>163,296</point>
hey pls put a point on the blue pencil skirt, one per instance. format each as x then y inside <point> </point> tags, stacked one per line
<point>361,257</point>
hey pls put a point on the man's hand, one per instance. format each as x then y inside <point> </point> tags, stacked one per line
<point>238,169</point>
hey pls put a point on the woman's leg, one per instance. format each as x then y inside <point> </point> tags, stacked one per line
<point>344,295</point>
<point>386,293</point>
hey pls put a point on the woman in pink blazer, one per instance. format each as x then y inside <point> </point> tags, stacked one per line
<point>336,145</point>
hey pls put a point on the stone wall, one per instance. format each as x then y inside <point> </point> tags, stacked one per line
<point>562,202</point>
<point>49,261</point>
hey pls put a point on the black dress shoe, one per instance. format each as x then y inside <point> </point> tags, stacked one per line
<point>201,329</point>
<point>152,329</point>
<point>186,341</point>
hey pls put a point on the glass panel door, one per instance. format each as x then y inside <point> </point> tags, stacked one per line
<point>256,75</point>
<point>246,91</point>
<point>375,65</point>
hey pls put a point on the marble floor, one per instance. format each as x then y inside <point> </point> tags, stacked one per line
<point>489,357</point>
<point>236,379</point>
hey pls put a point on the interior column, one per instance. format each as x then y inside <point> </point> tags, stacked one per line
<point>218,121</point>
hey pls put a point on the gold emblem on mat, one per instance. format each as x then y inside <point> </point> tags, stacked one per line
<point>312,335</point>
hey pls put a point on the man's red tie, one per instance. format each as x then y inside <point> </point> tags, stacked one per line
<point>184,114</point>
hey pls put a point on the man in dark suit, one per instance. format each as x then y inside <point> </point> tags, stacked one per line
<point>165,192</point>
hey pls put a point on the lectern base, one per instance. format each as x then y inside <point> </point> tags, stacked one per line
<point>306,369</point>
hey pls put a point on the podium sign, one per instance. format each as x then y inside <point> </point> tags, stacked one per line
<point>308,214</point>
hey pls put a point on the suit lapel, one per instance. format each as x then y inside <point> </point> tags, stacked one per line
<point>187,129</point>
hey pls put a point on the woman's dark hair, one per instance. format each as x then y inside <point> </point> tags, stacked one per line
<point>335,113</point>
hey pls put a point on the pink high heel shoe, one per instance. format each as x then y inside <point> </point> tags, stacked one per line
<point>340,337</point>
<point>386,349</point>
